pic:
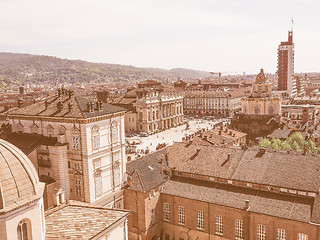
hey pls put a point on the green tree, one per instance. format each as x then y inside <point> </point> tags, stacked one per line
<point>265,143</point>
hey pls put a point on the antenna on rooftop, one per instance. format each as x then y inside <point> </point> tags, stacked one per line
<point>292,24</point>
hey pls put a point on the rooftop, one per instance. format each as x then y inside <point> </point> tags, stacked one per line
<point>66,106</point>
<point>80,221</point>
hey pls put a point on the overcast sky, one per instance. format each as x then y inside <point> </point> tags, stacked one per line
<point>212,35</point>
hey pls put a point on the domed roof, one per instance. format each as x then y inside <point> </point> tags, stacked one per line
<point>261,77</point>
<point>19,181</point>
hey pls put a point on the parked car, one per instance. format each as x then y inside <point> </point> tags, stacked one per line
<point>144,134</point>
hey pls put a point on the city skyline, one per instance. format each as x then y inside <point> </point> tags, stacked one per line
<point>232,37</point>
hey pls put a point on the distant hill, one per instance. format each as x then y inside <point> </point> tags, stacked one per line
<point>16,68</point>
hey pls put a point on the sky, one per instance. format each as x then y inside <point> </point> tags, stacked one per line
<point>230,36</point>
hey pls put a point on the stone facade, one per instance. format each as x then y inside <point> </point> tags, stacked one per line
<point>87,160</point>
<point>159,111</point>
<point>260,111</point>
<point>213,103</point>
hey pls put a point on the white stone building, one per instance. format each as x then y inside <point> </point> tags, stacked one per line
<point>158,111</point>
<point>77,143</point>
<point>213,103</point>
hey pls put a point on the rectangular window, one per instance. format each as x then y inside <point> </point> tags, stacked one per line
<point>75,141</point>
<point>97,163</point>
<point>167,237</point>
<point>115,134</point>
<point>281,234</point>
<point>302,236</point>
<point>261,232</point>
<point>98,185</point>
<point>166,212</point>
<point>180,215</point>
<point>96,141</point>
<point>152,217</point>
<point>116,177</point>
<point>219,225</point>
<point>238,229</point>
<point>78,187</point>
<point>200,220</point>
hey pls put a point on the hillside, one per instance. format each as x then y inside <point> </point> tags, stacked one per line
<point>18,68</point>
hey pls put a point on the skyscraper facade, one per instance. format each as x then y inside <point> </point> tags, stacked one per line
<point>286,81</point>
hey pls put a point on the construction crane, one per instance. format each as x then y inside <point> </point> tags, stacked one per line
<point>219,73</point>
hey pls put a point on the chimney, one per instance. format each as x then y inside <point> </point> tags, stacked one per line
<point>247,205</point>
<point>70,106</point>
<point>59,106</point>
<point>59,92</point>
<point>90,107</point>
<point>19,103</point>
<point>70,93</point>
<point>46,104</point>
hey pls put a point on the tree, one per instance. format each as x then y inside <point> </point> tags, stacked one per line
<point>295,142</point>
<point>265,143</point>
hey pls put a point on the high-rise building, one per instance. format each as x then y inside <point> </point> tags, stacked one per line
<point>286,81</point>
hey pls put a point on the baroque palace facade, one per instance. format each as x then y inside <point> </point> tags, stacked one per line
<point>77,147</point>
<point>158,111</point>
<point>213,103</point>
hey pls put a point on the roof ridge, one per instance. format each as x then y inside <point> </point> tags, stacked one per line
<point>140,180</point>
<point>76,99</point>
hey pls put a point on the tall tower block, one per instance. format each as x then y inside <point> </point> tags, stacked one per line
<point>286,81</point>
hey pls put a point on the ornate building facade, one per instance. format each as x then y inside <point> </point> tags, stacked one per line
<point>260,111</point>
<point>159,111</point>
<point>77,147</point>
<point>213,103</point>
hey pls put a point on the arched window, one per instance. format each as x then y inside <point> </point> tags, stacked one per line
<point>49,130</point>
<point>95,137</point>
<point>62,130</point>
<point>34,128</point>
<point>23,230</point>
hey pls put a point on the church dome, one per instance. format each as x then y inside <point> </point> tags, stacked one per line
<point>19,181</point>
<point>261,77</point>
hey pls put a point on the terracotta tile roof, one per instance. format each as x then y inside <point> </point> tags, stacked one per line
<point>27,142</point>
<point>281,133</point>
<point>80,221</point>
<point>290,207</point>
<point>279,168</point>
<point>270,167</point>
<point>78,108</point>
<point>205,160</point>
<point>147,173</point>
